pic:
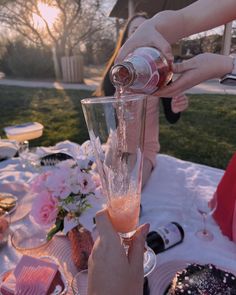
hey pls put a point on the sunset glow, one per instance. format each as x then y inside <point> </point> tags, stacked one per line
<point>48,13</point>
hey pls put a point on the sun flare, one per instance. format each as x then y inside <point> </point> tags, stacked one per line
<point>48,13</point>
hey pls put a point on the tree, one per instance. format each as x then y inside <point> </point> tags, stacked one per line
<point>60,24</point>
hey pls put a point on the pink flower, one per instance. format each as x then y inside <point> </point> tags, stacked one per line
<point>58,183</point>
<point>44,209</point>
<point>38,183</point>
<point>86,183</point>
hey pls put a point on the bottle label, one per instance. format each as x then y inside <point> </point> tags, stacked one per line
<point>151,85</point>
<point>170,235</point>
<point>146,69</point>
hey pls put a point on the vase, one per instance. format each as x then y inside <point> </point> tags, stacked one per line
<point>81,246</point>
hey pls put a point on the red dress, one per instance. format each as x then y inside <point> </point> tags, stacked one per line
<point>225,214</point>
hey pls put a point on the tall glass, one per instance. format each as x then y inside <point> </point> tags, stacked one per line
<point>116,129</point>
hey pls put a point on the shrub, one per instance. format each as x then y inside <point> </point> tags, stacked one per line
<point>20,60</point>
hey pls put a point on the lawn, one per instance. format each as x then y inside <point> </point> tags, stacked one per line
<point>205,134</point>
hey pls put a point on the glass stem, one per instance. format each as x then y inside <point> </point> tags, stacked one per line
<point>204,223</point>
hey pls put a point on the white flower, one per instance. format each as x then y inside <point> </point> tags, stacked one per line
<point>70,223</point>
<point>83,162</point>
<point>96,205</point>
<point>74,185</point>
<point>86,150</point>
<point>86,183</point>
<point>71,207</point>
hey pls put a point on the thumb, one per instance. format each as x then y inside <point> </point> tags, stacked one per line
<point>104,225</point>
<point>137,246</point>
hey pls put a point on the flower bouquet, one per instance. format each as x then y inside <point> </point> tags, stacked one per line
<point>62,195</point>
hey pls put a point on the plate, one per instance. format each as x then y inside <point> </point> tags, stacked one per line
<point>8,149</point>
<point>4,275</point>
<point>161,277</point>
<point>29,237</point>
<point>163,274</point>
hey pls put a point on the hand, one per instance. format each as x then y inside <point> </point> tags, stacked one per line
<point>110,270</point>
<point>179,103</point>
<point>145,35</point>
<point>196,70</point>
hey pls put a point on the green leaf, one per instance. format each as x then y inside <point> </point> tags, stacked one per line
<point>59,225</point>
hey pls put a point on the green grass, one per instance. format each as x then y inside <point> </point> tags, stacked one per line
<point>59,111</point>
<point>206,132</point>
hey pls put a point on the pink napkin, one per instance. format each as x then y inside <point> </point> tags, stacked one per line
<point>34,280</point>
<point>226,197</point>
<point>31,276</point>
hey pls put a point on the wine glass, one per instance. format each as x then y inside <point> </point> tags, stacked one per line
<point>23,151</point>
<point>116,129</point>
<point>29,158</point>
<point>22,133</point>
<point>205,203</point>
<point>80,283</point>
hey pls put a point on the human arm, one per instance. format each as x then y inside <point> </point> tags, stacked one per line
<point>110,270</point>
<point>167,27</point>
<point>151,137</point>
<point>147,170</point>
<point>196,70</point>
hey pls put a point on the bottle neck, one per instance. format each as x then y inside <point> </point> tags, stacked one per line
<point>122,74</point>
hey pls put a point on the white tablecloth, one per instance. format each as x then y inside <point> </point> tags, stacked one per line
<point>167,197</point>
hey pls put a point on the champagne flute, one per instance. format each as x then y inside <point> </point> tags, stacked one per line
<point>23,151</point>
<point>205,203</point>
<point>116,130</point>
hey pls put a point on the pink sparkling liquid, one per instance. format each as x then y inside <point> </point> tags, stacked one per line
<point>124,212</point>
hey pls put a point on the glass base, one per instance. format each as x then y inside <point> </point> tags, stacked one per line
<point>204,235</point>
<point>80,283</point>
<point>149,261</point>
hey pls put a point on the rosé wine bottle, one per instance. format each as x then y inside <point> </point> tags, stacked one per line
<point>143,71</point>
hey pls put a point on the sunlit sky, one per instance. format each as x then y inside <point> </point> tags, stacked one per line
<point>49,13</point>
